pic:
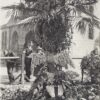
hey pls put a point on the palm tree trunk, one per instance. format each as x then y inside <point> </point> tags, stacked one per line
<point>82,73</point>
<point>91,28</point>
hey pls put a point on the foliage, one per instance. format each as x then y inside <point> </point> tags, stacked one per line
<point>91,64</point>
<point>39,90</point>
<point>84,22</point>
<point>78,92</point>
<point>13,93</point>
<point>70,9</point>
<point>47,79</point>
<point>51,34</point>
<point>50,60</point>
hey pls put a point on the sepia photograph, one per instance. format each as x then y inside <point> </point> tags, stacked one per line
<point>49,49</point>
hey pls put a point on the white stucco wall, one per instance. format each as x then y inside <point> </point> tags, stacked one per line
<point>82,45</point>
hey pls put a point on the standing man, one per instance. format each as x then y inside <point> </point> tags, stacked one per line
<point>28,52</point>
<point>38,58</point>
<point>10,65</point>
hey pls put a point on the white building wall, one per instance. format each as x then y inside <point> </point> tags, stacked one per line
<point>81,44</point>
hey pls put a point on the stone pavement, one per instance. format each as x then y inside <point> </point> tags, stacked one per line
<point>4,76</point>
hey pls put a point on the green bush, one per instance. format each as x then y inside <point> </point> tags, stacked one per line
<point>91,64</point>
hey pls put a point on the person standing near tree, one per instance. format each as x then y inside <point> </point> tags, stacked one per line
<point>37,57</point>
<point>28,51</point>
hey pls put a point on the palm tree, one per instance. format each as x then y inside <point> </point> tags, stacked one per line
<point>51,11</point>
<point>48,7</point>
<point>55,27</point>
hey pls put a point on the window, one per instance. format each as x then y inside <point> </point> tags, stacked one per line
<point>4,40</point>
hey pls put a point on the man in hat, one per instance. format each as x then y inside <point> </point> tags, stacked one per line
<point>40,50</point>
<point>37,60</point>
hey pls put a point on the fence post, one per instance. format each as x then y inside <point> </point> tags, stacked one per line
<point>22,69</point>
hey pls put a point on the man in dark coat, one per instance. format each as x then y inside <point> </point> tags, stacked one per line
<point>28,51</point>
<point>10,65</point>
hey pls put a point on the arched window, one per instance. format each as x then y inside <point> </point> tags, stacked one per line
<point>28,38</point>
<point>15,45</point>
<point>4,40</point>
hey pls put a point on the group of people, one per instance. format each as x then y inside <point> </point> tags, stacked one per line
<point>28,51</point>
<point>29,54</point>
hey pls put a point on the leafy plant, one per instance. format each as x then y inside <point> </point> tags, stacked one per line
<point>91,64</point>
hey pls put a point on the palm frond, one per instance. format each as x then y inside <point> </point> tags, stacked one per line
<point>82,24</point>
<point>24,8</point>
<point>81,2</point>
<point>85,11</point>
<point>19,6</point>
<point>96,23</point>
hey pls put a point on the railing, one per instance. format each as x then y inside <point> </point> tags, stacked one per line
<point>4,58</point>
<point>77,58</point>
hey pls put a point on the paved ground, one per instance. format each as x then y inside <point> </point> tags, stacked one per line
<point>4,76</point>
